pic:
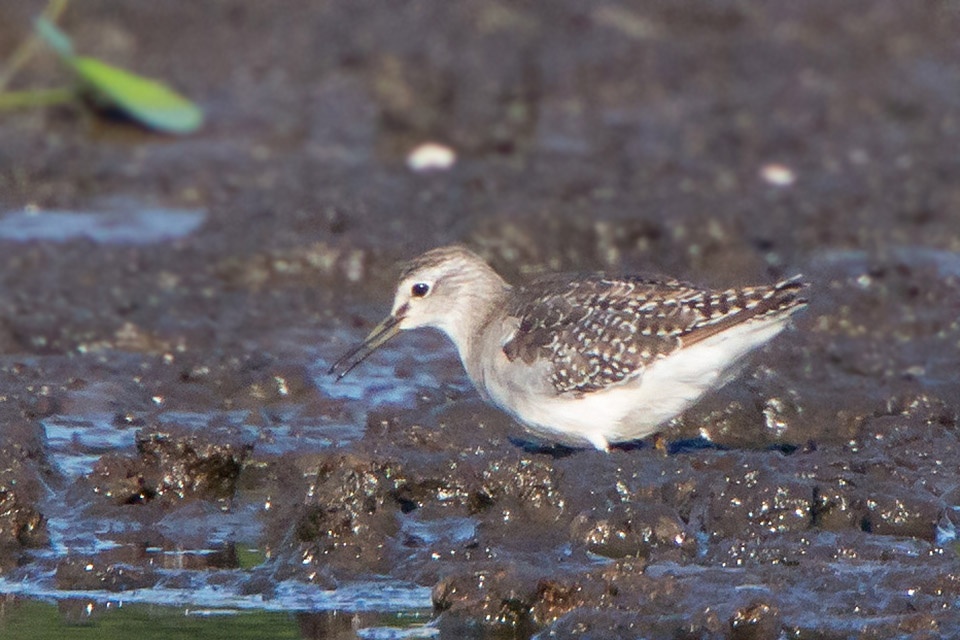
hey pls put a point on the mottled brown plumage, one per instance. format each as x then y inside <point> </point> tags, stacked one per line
<point>599,330</point>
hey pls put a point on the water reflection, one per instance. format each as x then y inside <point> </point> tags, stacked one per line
<point>83,617</point>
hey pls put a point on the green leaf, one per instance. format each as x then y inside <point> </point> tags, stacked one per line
<point>147,101</point>
<point>57,39</point>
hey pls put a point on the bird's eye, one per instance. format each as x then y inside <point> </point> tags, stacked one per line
<point>420,289</point>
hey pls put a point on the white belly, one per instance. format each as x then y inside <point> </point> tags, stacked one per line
<point>627,411</point>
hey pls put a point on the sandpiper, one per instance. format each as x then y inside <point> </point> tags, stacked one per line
<point>583,360</point>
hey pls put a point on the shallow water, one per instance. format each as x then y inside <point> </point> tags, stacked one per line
<point>74,445</point>
<point>134,225</point>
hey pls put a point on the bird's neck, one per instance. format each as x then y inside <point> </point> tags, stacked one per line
<point>466,321</point>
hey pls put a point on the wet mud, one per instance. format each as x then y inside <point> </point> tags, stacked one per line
<point>168,432</point>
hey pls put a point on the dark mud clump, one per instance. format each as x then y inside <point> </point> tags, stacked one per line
<point>78,572</point>
<point>172,465</point>
<point>23,475</point>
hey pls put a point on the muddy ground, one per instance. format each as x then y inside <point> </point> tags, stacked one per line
<point>721,142</point>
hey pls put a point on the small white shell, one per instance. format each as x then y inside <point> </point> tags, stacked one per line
<point>431,156</point>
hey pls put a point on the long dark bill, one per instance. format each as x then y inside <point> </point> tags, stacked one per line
<point>380,334</point>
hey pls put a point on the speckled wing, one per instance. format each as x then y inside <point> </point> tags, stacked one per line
<point>599,331</point>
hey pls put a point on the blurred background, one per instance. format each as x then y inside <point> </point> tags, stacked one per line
<point>146,276</point>
<point>717,140</point>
